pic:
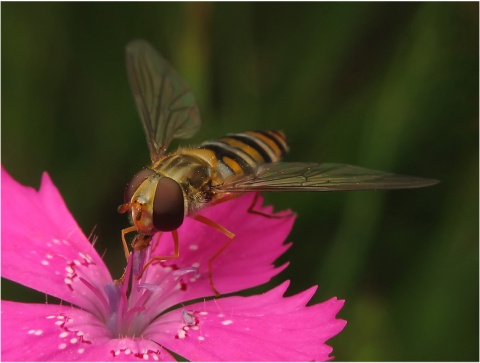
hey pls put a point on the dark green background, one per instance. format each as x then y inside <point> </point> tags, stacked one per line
<point>385,86</point>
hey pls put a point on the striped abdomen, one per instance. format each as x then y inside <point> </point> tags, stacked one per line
<point>242,154</point>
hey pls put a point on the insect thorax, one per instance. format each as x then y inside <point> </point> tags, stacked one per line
<point>193,173</point>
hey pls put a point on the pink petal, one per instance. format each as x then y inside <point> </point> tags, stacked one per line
<point>246,262</point>
<point>43,247</point>
<point>265,327</point>
<point>41,332</point>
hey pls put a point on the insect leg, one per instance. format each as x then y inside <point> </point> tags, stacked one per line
<point>223,230</point>
<point>121,279</point>
<point>125,246</point>
<point>162,258</point>
<point>157,240</point>
<point>225,198</point>
<point>252,210</point>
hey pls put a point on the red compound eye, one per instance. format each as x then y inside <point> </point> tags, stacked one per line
<point>168,206</point>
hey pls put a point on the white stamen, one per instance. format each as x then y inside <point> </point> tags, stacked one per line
<point>188,318</point>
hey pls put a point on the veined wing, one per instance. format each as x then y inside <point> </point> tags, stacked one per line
<point>166,105</point>
<point>285,176</point>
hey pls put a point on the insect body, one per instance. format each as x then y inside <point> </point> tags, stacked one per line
<point>199,174</point>
<point>181,183</point>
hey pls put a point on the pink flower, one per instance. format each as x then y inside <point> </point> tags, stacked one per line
<point>43,248</point>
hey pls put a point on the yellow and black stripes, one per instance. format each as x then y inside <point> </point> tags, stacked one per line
<point>243,153</point>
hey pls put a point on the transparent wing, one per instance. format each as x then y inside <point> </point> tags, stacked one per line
<point>166,105</point>
<point>284,176</point>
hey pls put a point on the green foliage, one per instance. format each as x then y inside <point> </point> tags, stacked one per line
<point>388,86</point>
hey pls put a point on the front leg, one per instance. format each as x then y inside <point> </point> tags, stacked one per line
<point>125,245</point>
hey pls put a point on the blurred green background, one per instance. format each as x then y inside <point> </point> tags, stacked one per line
<point>388,86</point>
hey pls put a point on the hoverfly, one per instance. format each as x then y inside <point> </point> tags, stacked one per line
<point>183,182</point>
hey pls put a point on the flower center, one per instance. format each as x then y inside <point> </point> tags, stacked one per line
<point>134,303</point>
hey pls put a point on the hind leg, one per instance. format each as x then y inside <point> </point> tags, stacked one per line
<point>227,233</point>
<point>252,210</point>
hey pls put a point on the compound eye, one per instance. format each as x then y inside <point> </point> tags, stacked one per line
<point>168,207</point>
<point>135,183</point>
